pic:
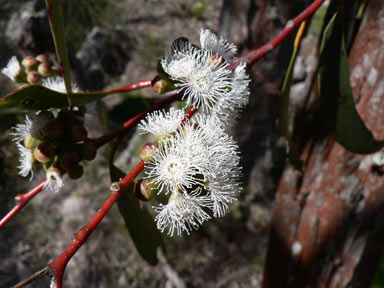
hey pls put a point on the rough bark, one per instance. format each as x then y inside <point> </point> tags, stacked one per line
<point>327,226</point>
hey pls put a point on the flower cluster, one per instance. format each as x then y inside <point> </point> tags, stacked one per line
<point>205,77</point>
<point>32,70</point>
<point>196,162</point>
<point>58,142</point>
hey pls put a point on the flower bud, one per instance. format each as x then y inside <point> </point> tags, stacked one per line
<point>20,77</point>
<point>33,78</point>
<point>29,63</point>
<point>54,128</point>
<point>44,152</point>
<point>145,190</point>
<point>31,142</point>
<point>42,58</point>
<point>56,70</point>
<point>76,172</point>
<point>69,160</point>
<point>162,84</point>
<point>44,69</point>
<point>216,59</point>
<point>79,133</point>
<point>86,151</point>
<point>148,150</point>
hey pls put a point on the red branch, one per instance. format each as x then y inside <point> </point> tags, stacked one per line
<point>291,25</point>
<point>58,265</point>
<point>133,121</point>
<point>21,201</point>
<point>127,88</point>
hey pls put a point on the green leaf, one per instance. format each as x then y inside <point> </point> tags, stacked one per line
<point>336,99</point>
<point>35,97</point>
<point>56,21</point>
<point>286,140</point>
<point>141,226</point>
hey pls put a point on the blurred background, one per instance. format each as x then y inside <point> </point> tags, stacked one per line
<point>118,42</point>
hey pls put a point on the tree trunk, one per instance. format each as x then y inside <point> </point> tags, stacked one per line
<point>328,222</point>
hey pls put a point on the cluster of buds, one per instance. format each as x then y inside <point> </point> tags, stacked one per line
<point>32,69</point>
<point>58,143</point>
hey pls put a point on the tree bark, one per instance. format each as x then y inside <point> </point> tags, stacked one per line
<point>328,222</point>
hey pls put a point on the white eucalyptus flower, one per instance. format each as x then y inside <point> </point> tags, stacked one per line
<point>26,161</point>
<point>57,84</point>
<point>33,126</point>
<point>219,46</point>
<point>54,180</point>
<point>160,123</point>
<point>174,167</point>
<point>12,68</point>
<point>199,156</point>
<point>228,108</point>
<point>183,213</point>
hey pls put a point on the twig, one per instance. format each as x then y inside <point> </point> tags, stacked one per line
<point>98,142</point>
<point>138,85</point>
<point>291,25</point>
<point>21,201</point>
<point>35,276</point>
<point>57,266</point>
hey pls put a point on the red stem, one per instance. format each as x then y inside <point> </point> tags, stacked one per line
<point>127,88</point>
<point>58,265</point>
<point>21,201</point>
<point>98,142</point>
<point>291,25</point>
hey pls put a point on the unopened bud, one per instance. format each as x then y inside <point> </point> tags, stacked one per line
<point>44,69</point>
<point>20,77</point>
<point>162,84</point>
<point>86,151</point>
<point>33,78</point>
<point>148,150</point>
<point>31,142</point>
<point>145,190</point>
<point>56,70</point>
<point>29,63</point>
<point>42,58</point>
<point>76,172</point>
<point>79,133</point>
<point>54,128</point>
<point>44,152</point>
<point>216,59</point>
<point>69,160</point>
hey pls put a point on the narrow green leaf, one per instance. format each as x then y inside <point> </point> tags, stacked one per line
<point>56,21</point>
<point>35,97</point>
<point>291,151</point>
<point>141,226</point>
<point>336,99</point>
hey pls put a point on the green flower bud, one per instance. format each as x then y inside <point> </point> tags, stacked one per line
<point>33,78</point>
<point>42,58</point>
<point>44,152</point>
<point>29,63</point>
<point>20,77</point>
<point>162,84</point>
<point>148,150</point>
<point>86,151</point>
<point>76,172</point>
<point>68,160</point>
<point>79,133</point>
<point>145,190</point>
<point>44,69</point>
<point>31,142</point>
<point>54,128</point>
